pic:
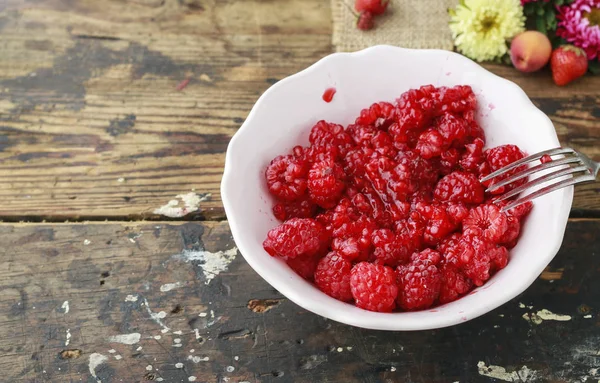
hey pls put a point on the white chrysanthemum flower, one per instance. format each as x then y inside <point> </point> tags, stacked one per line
<point>481,28</point>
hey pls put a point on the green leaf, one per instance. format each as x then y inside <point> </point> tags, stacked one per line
<point>540,11</point>
<point>594,67</point>
<point>540,25</point>
<point>528,9</point>
<point>550,16</point>
<point>558,2</point>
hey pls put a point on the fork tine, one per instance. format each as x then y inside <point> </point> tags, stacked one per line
<point>533,169</point>
<point>549,189</point>
<point>542,179</point>
<point>550,152</point>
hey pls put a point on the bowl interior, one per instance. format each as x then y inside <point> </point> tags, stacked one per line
<point>282,118</point>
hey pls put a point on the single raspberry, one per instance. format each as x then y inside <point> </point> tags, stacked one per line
<point>501,156</point>
<point>479,265</point>
<point>380,115</point>
<point>392,182</point>
<point>452,128</point>
<point>457,212</point>
<point>419,284</point>
<point>455,251</point>
<point>376,7</point>
<point>509,239</point>
<point>473,156</point>
<point>326,182</point>
<point>353,240</point>
<point>317,153</point>
<point>458,99</point>
<point>297,237</point>
<point>449,160</point>
<point>459,187</point>
<point>486,220</point>
<point>362,134</point>
<point>424,174</point>
<point>355,161</point>
<point>545,159</point>
<point>438,224</point>
<point>383,144</point>
<point>286,177</point>
<point>373,287</point>
<point>391,249</point>
<point>427,255</point>
<point>365,21</point>
<point>342,217</point>
<point>324,133</point>
<point>431,144</point>
<point>304,266</point>
<point>454,284</point>
<point>302,208</point>
<point>499,257</point>
<point>411,232</point>
<point>521,211</point>
<point>414,113</point>
<point>332,276</point>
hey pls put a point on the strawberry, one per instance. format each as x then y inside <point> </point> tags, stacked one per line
<point>568,63</point>
<point>376,7</point>
<point>364,22</point>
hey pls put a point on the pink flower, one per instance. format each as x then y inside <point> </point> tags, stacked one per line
<point>579,24</point>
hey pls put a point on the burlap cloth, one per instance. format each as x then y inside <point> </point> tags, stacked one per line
<point>406,23</point>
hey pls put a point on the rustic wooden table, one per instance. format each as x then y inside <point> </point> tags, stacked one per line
<point>101,280</point>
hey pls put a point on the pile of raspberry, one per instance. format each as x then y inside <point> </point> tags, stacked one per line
<point>389,213</point>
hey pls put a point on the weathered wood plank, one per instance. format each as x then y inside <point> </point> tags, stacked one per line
<point>92,124</point>
<point>96,287</point>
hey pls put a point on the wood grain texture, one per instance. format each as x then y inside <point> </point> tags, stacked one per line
<point>121,280</point>
<point>94,123</point>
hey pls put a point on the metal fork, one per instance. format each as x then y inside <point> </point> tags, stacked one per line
<point>572,164</point>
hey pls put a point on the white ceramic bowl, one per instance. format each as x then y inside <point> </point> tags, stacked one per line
<point>282,118</point>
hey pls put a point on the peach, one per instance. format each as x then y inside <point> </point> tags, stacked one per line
<point>530,51</point>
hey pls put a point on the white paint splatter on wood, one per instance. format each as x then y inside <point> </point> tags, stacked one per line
<point>212,264</point>
<point>132,338</point>
<point>198,359</point>
<point>65,307</point>
<point>192,379</point>
<point>157,317</point>
<point>86,242</point>
<point>191,203</point>
<point>94,361</point>
<point>178,365</point>
<point>112,351</point>
<point>68,337</point>
<point>169,286</point>
<point>157,337</point>
<point>497,372</point>
<point>545,315</point>
<point>202,315</point>
<point>131,298</point>
<point>118,357</point>
<point>149,367</point>
<point>587,316</point>
<point>178,332</point>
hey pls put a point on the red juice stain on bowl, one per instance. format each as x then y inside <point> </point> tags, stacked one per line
<point>328,94</point>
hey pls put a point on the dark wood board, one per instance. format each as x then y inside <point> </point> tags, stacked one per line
<point>118,281</point>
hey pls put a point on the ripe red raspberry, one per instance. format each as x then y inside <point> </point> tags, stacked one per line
<point>304,266</point>
<point>486,220</point>
<point>355,161</point>
<point>379,115</point>
<point>427,255</point>
<point>509,239</point>
<point>473,156</point>
<point>365,22</point>
<point>419,284</point>
<point>332,276</point>
<point>383,144</point>
<point>452,129</point>
<point>521,211</point>
<point>286,177</point>
<point>411,232</point>
<point>353,240</point>
<point>377,7</point>
<point>501,156</point>
<point>449,160</point>
<point>391,249</point>
<point>414,112</point>
<point>458,99</point>
<point>459,187</point>
<point>423,173</point>
<point>362,134</point>
<point>373,287</point>
<point>438,224</point>
<point>431,144</point>
<point>314,154</point>
<point>297,237</point>
<point>324,133</point>
<point>453,284</point>
<point>455,251</point>
<point>302,208</point>
<point>457,212</point>
<point>487,257</point>
<point>326,182</point>
<point>389,180</point>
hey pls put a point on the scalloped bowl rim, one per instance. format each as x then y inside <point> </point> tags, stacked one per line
<point>366,319</point>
